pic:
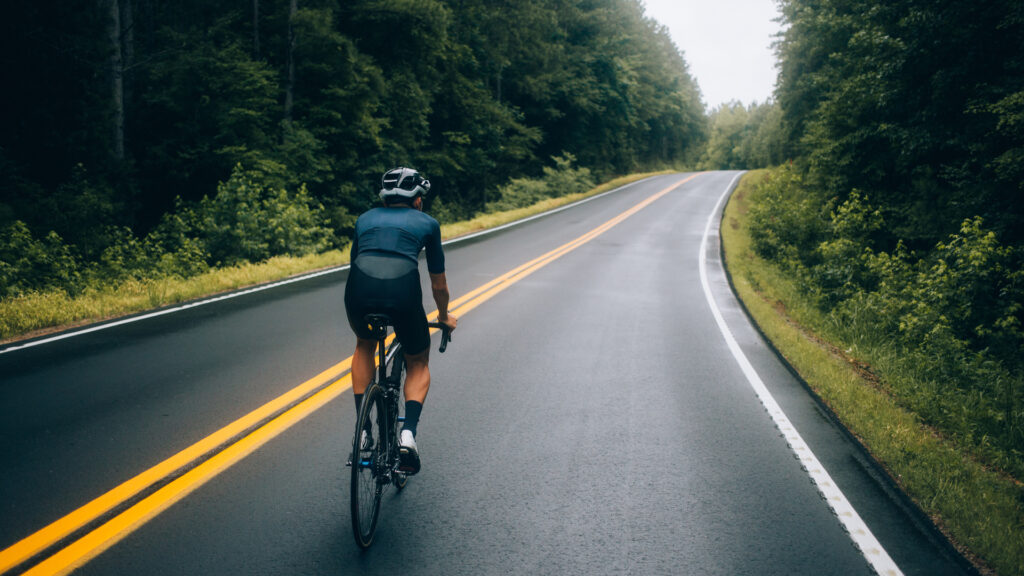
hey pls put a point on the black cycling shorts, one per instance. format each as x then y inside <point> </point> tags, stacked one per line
<point>399,296</point>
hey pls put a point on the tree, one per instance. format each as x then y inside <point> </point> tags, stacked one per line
<point>132,104</point>
<point>903,100</point>
<point>114,33</point>
<point>744,138</point>
<point>293,8</point>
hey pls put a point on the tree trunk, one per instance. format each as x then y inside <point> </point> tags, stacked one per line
<point>256,29</point>
<point>290,87</point>
<point>128,52</point>
<point>116,78</point>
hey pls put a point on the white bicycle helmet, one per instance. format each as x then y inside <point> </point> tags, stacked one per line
<point>406,183</point>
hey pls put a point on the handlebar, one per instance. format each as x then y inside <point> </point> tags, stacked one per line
<point>446,334</point>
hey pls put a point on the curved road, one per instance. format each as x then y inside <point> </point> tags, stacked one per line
<point>588,418</point>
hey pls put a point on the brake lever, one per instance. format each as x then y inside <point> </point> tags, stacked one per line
<point>446,335</point>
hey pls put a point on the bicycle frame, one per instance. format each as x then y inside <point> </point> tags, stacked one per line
<point>378,468</point>
<point>390,387</point>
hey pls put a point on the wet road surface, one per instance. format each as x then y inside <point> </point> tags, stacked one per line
<point>588,419</point>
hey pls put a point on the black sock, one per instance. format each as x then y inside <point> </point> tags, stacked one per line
<point>412,415</point>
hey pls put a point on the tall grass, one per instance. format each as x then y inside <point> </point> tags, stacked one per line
<point>38,312</point>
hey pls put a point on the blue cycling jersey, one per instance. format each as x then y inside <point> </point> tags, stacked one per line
<point>399,232</point>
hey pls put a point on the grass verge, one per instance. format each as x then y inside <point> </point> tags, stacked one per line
<point>39,313</point>
<point>981,510</point>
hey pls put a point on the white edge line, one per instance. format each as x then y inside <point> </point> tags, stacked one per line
<point>147,316</point>
<point>857,529</point>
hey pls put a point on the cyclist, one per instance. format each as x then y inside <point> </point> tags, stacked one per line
<point>384,278</point>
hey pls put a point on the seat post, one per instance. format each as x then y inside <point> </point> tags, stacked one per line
<point>378,324</point>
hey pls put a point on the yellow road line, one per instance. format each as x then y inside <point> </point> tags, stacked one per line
<point>98,540</point>
<point>95,542</point>
<point>475,297</point>
<point>28,547</point>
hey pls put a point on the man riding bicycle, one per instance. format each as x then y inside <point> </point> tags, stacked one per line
<point>384,279</point>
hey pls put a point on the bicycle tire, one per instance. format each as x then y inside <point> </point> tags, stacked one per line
<point>366,487</point>
<point>397,375</point>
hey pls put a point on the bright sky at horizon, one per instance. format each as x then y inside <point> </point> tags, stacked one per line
<point>727,44</point>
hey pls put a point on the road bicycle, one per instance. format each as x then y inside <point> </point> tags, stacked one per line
<point>375,456</point>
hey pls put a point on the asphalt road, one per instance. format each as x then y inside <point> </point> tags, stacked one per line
<point>588,419</point>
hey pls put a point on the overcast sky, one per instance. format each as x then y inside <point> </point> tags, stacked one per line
<point>727,44</point>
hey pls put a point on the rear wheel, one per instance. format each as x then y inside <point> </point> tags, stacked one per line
<point>368,463</point>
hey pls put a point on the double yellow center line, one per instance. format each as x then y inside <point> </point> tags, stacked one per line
<point>197,464</point>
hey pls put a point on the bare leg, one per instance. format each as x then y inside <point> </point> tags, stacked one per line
<point>362,364</point>
<point>417,376</point>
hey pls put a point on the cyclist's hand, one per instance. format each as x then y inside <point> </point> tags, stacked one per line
<point>450,322</point>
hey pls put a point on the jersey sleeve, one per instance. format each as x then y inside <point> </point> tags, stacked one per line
<point>435,254</point>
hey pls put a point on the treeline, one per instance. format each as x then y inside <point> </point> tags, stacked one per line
<point>147,136</point>
<point>901,212</point>
<point>745,137</point>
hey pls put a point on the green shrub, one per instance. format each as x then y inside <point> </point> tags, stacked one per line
<point>246,221</point>
<point>970,287</point>
<point>558,180</point>
<point>959,315</point>
<point>448,212</point>
<point>562,179</point>
<point>186,261</point>
<point>786,220</point>
<point>174,250</point>
<point>845,260</point>
<point>28,264</point>
<point>152,257</point>
<point>519,193</point>
<point>126,256</point>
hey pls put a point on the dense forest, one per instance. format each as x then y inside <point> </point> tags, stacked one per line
<point>899,208</point>
<point>153,137</point>
<point>917,104</point>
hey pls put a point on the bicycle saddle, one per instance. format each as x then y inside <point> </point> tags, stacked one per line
<point>378,323</point>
